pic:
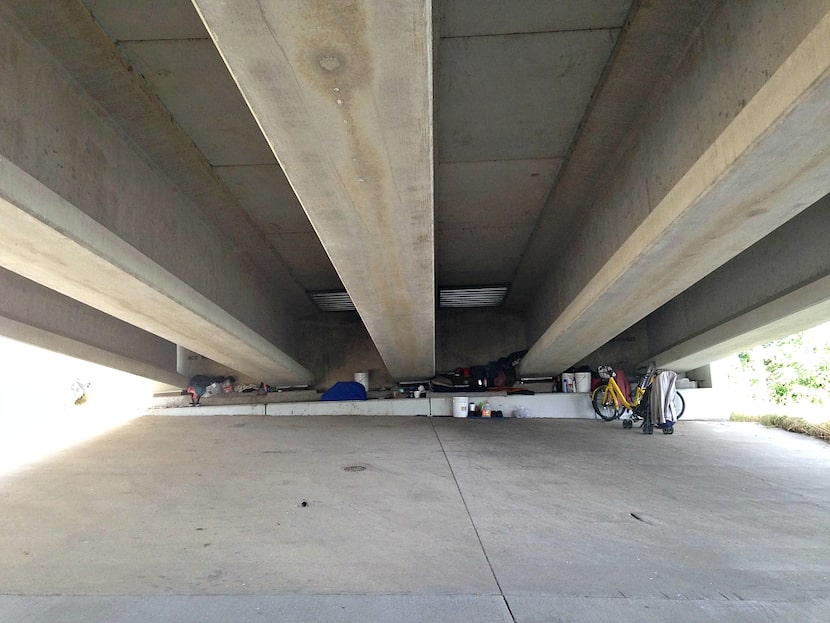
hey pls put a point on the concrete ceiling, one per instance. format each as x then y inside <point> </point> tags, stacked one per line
<point>511,90</point>
<point>391,148</point>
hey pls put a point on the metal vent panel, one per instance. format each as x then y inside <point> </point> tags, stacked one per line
<point>484,296</point>
<point>332,300</point>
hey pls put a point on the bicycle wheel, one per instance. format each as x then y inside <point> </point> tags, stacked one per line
<point>604,405</point>
<point>679,405</point>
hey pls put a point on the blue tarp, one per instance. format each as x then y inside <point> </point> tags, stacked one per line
<point>345,390</point>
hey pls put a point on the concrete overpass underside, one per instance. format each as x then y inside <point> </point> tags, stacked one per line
<point>196,177</point>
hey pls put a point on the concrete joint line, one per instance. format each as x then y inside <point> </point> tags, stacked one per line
<point>472,522</point>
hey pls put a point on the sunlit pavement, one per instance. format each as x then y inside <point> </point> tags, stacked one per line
<point>38,414</point>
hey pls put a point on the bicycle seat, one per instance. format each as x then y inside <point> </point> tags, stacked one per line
<point>606,372</point>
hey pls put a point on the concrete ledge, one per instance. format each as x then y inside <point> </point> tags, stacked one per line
<point>400,406</point>
<point>173,400</point>
<point>236,409</point>
<point>701,404</point>
<point>539,405</point>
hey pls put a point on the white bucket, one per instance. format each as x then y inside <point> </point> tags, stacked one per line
<point>568,383</point>
<point>362,378</point>
<point>459,406</point>
<point>582,381</point>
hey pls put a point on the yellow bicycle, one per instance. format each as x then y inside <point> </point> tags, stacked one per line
<point>610,403</point>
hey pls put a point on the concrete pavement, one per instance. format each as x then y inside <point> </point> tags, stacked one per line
<point>253,518</point>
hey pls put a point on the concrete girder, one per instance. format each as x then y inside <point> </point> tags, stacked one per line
<point>71,35</point>
<point>636,70</point>
<point>51,242</point>
<point>778,286</point>
<point>75,192</point>
<point>729,198</point>
<point>796,311</point>
<point>342,93</point>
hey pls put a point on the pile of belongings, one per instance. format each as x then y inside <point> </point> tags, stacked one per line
<point>204,385</point>
<point>500,373</point>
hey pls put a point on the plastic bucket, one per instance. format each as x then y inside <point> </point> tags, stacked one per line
<point>362,378</point>
<point>568,383</point>
<point>582,382</point>
<point>459,406</point>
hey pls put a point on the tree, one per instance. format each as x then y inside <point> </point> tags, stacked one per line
<point>790,370</point>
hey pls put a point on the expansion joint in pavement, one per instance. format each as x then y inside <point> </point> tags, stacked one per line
<point>472,521</point>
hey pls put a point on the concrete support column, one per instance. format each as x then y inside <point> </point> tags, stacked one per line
<point>190,363</point>
<point>703,376</point>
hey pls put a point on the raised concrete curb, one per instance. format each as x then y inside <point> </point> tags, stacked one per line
<point>701,404</point>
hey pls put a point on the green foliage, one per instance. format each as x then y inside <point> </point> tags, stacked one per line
<point>789,371</point>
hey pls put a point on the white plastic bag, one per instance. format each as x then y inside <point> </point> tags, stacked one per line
<point>213,389</point>
<point>522,412</point>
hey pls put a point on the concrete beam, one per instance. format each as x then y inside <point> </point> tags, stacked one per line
<point>91,217</point>
<point>71,35</point>
<point>799,310</point>
<point>39,316</point>
<point>729,196</point>
<point>51,242</point>
<point>342,92</point>
<point>655,36</point>
<point>777,287</point>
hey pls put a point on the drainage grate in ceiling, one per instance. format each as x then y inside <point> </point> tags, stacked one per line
<point>484,296</point>
<point>332,300</point>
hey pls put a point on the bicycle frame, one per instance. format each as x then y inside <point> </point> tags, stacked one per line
<point>610,402</point>
<point>614,394</point>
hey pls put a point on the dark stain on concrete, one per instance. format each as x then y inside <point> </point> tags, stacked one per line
<point>334,50</point>
<point>336,60</point>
